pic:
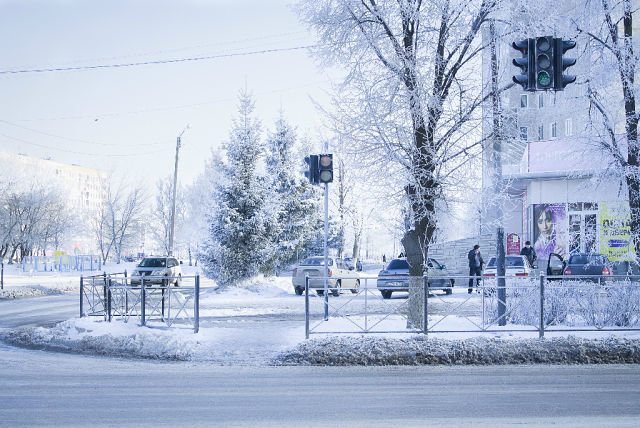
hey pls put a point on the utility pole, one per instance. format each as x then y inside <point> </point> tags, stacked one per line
<point>498,137</point>
<point>175,186</point>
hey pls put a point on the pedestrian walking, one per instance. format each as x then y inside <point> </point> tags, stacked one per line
<point>529,252</point>
<point>476,263</point>
<point>384,258</point>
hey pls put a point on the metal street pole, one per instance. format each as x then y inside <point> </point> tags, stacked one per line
<point>498,136</point>
<point>175,186</point>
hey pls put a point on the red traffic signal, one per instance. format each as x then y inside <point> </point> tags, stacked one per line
<point>325,167</point>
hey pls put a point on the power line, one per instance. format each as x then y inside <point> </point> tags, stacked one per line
<point>78,139</point>
<point>58,149</point>
<point>164,61</point>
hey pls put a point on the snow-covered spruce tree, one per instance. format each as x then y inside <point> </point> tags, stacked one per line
<point>298,202</point>
<point>242,225</point>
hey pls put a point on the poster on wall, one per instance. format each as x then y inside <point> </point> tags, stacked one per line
<point>550,229</point>
<point>615,231</point>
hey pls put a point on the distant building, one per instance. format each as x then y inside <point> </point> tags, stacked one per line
<point>85,189</point>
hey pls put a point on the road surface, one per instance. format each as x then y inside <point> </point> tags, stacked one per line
<point>52,389</point>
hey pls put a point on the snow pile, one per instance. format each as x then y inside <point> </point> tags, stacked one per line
<point>418,350</point>
<point>40,288</point>
<point>91,336</point>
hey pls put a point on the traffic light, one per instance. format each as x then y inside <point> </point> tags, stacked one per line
<point>526,63</point>
<point>560,47</point>
<point>312,173</point>
<point>544,63</point>
<point>325,163</point>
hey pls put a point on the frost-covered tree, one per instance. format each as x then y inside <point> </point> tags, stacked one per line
<point>297,202</point>
<point>243,223</point>
<point>161,214</point>
<point>412,94</point>
<point>612,94</point>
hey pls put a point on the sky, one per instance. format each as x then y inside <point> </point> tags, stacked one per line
<point>125,118</point>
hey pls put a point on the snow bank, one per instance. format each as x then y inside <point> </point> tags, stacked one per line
<point>418,350</point>
<point>119,339</point>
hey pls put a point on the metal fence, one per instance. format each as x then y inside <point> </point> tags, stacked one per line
<point>113,295</point>
<point>530,304</point>
<point>65,263</point>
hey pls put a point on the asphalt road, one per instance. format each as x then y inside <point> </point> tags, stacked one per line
<point>40,388</point>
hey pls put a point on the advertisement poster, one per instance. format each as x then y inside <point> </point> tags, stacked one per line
<point>513,244</point>
<point>615,231</point>
<point>550,229</point>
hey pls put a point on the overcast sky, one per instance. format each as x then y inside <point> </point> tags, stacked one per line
<point>127,118</point>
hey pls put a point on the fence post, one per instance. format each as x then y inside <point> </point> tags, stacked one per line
<point>81,293</point>
<point>326,298</point>
<point>126,295</point>
<point>306,306</point>
<point>104,295</point>
<point>109,298</point>
<point>425,313</point>
<point>196,306</point>
<point>143,298</point>
<point>541,329</point>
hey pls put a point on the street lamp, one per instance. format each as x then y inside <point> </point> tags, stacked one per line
<point>175,185</point>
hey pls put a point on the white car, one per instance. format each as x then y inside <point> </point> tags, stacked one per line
<point>157,270</point>
<point>341,276</point>
<point>514,266</point>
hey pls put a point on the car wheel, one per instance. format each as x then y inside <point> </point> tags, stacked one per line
<point>165,282</point>
<point>336,291</point>
<point>386,294</point>
<point>299,291</point>
<point>320,292</point>
<point>178,281</point>
<point>448,291</point>
<point>355,290</point>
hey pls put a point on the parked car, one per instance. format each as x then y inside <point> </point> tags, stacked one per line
<point>395,277</point>
<point>341,276</point>
<point>592,264</point>
<point>513,266</point>
<point>157,270</point>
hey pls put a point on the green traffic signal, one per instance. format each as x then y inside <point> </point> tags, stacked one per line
<point>544,79</point>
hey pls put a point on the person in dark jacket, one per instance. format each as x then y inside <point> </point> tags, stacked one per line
<point>476,263</point>
<point>529,252</point>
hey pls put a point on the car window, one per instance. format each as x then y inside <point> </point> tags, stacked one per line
<point>433,263</point>
<point>153,262</point>
<point>398,264</point>
<point>173,263</point>
<point>584,259</point>
<point>316,261</point>
<point>508,262</point>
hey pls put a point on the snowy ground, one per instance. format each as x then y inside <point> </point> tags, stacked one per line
<point>262,323</point>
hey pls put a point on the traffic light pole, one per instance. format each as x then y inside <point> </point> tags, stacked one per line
<point>326,252</point>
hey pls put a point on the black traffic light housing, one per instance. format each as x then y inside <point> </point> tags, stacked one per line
<point>545,63</point>
<point>561,63</point>
<point>312,173</point>
<point>325,164</point>
<point>527,78</point>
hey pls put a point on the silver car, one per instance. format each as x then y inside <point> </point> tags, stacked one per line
<point>395,277</point>
<point>158,270</point>
<point>341,276</point>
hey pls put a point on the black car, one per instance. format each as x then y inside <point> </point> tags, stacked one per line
<point>591,265</point>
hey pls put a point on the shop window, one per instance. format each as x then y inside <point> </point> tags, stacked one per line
<point>540,100</point>
<point>554,130</point>
<point>568,127</point>
<point>524,101</point>
<point>540,132</point>
<point>524,133</point>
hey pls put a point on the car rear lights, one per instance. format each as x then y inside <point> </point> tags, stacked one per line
<point>522,274</point>
<point>605,271</point>
<point>330,273</point>
<point>489,274</point>
<point>567,271</point>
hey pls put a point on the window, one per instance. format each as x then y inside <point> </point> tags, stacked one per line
<point>568,128</point>
<point>524,134</point>
<point>524,100</point>
<point>540,132</point>
<point>554,130</point>
<point>540,100</point>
